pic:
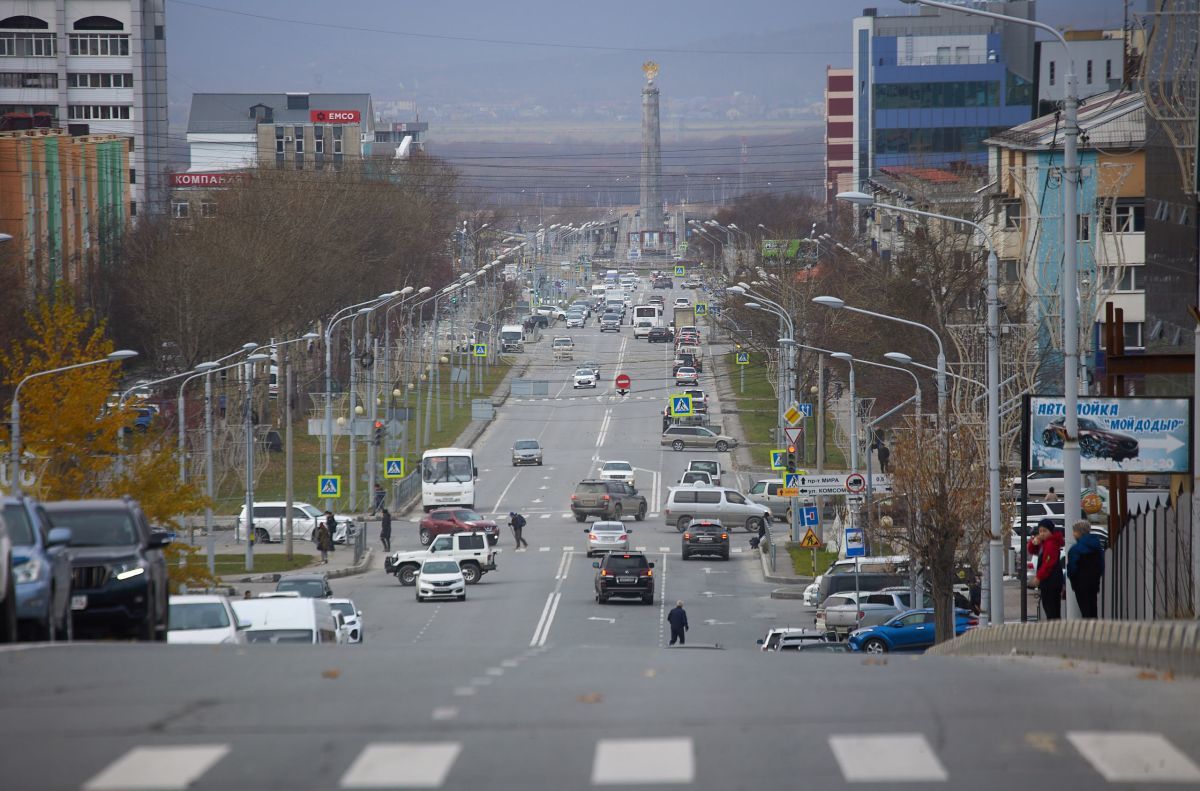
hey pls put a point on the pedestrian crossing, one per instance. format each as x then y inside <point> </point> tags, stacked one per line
<point>1115,757</point>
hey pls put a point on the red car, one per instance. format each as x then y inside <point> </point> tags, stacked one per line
<point>441,521</point>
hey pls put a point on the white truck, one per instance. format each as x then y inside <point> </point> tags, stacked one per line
<point>512,338</point>
<point>472,551</point>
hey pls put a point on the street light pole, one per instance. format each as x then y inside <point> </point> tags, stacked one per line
<point>849,360</point>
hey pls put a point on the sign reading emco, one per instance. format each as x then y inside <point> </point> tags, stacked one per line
<point>335,116</point>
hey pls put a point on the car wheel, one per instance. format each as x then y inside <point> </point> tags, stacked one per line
<point>419,599</point>
<point>539,462</point>
<point>1049,439</point>
<point>722,446</point>
<point>148,629</point>
<point>682,523</point>
<point>1088,446</point>
<point>725,556</point>
<point>470,573</point>
<point>686,556</point>
<point>648,599</point>
<point>426,537</point>
<point>754,524</point>
<point>677,445</point>
<point>601,598</point>
<point>407,575</point>
<point>641,512</point>
<point>580,517</point>
<point>875,646</point>
<point>261,536</point>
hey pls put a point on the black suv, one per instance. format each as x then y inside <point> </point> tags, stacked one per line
<point>706,537</point>
<point>624,574</point>
<point>118,572</point>
<point>608,500</point>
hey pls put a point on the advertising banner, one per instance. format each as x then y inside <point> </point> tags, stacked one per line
<point>1140,435</point>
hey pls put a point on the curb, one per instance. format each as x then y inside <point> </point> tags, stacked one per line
<point>1172,646</point>
<point>787,593</point>
<point>275,576</point>
<point>357,568</point>
<point>778,580</point>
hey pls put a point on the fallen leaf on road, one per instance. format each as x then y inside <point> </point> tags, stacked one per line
<point>1148,675</point>
<point>1042,741</point>
<point>875,661</point>
<point>591,697</point>
<point>331,673</point>
<point>651,673</point>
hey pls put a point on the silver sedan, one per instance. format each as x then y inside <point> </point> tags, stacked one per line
<point>607,537</point>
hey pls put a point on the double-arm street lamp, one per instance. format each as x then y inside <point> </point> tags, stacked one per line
<point>15,450</point>
<point>787,333</point>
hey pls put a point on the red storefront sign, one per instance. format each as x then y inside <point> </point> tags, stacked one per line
<point>335,116</point>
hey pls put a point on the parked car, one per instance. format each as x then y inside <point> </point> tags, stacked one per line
<point>270,524</point>
<point>527,451</point>
<point>624,574</point>
<point>607,536</point>
<point>800,640</point>
<point>727,506</point>
<point>615,470</point>
<point>608,500</point>
<point>767,493</point>
<point>310,585</point>
<point>870,609</point>
<point>41,568</point>
<point>680,437</point>
<point>440,578</point>
<point>8,589</point>
<point>448,521</point>
<point>1094,439</point>
<point>203,619</point>
<point>352,619</point>
<point>118,571</point>
<point>910,631</point>
<point>705,537</point>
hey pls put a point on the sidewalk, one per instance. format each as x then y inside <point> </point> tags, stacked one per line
<point>742,459</point>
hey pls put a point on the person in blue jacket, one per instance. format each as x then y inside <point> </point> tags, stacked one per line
<point>1085,567</point>
<point>677,618</point>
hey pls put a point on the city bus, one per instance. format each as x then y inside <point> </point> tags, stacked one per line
<point>448,478</point>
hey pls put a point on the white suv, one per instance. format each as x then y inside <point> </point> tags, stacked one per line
<point>269,522</point>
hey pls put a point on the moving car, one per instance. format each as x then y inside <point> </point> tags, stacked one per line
<point>41,569</point>
<point>609,500</point>
<point>576,318</point>
<point>659,335</point>
<point>440,579</point>
<point>527,451</point>
<point>699,400</point>
<point>592,366</point>
<point>448,521</point>
<point>8,592</point>
<point>618,471</point>
<point>730,508</point>
<point>610,322</point>
<point>680,437</point>
<point>584,377</point>
<point>1094,439</point>
<point>292,620</point>
<point>624,574</point>
<point>313,585</point>
<point>687,375</point>
<point>696,477</point>
<point>204,620</point>
<point>607,536</point>
<point>909,631</point>
<point>711,466</point>
<point>563,348</point>
<point>682,302</point>
<point>471,551</point>
<point>352,619</point>
<point>118,571</point>
<point>705,537</point>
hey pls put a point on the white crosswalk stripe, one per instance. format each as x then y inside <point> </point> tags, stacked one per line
<point>737,550</point>
<point>157,767</point>
<point>402,765</point>
<point>543,549</point>
<point>643,762</point>
<point>890,758</point>
<point>1134,757</point>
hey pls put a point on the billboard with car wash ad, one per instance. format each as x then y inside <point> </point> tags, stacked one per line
<point>1140,435</point>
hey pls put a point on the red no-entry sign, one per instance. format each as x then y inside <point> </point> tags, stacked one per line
<point>623,382</point>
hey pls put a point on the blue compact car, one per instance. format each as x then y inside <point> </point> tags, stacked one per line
<point>908,631</point>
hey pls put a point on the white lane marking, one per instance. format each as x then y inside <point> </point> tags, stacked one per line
<point>564,566</point>
<point>1133,757</point>
<point>737,550</point>
<point>445,712</point>
<point>639,549</point>
<point>464,692</point>
<point>500,500</point>
<point>402,765</point>
<point>643,762</point>
<point>537,631</point>
<point>886,758</point>
<point>664,549</point>
<point>566,515</point>
<point>568,549</point>
<point>543,549</point>
<point>481,681</point>
<point>662,600</point>
<point>544,516</point>
<point>495,671</point>
<point>510,663</point>
<point>653,515</point>
<point>552,603</point>
<point>158,767</point>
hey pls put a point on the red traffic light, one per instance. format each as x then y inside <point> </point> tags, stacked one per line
<point>378,424</point>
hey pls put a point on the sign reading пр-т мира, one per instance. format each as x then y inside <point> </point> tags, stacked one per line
<point>1152,435</point>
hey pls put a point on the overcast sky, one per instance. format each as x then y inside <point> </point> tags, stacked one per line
<point>719,46</point>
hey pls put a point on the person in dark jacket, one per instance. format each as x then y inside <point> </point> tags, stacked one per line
<point>517,523</point>
<point>1085,567</point>
<point>1047,545</point>
<point>385,531</point>
<point>331,526</point>
<point>678,620</point>
<point>324,541</point>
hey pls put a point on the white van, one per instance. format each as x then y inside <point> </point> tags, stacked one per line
<point>512,338</point>
<point>288,620</point>
<point>686,503</point>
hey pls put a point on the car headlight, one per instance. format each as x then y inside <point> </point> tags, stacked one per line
<point>128,569</point>
<point>28,571</point>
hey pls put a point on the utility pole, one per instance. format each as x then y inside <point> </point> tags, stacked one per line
<point>288,454</point>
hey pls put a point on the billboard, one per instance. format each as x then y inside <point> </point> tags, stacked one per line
<point>1142,435</point>
<point>334,116</point>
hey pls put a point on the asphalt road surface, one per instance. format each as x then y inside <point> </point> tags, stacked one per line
<point>529,684</point>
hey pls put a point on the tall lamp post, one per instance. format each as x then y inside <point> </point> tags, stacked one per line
<point>787,333</point>
<point>995,546</point>
<point>849,360</point>
<point>15,450</point>
<point>1068,284</point>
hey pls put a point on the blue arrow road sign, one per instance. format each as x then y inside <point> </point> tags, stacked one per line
<point>681,405</point>
<point>329,485</point>
<point>804,409</point>
<point>809,516</point>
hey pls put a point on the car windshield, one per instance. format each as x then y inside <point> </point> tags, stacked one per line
<point>311,589</point>
<point>440,567</point>
<point>619,563</point>
<point>591,488</point>
<point>583,372</point>
<point>197,615</point>
<point>98,528</point>
<point>467,515</point>
<point>344,607</point>
<point>309,510</point>
<point>526,444</point>
<point>279,636</point>
<point>608,527</point>
<point>19,528</point>
<point>618,465</point>
<point>705,528</point>
<point>704,466</point>
<point>447,469</point>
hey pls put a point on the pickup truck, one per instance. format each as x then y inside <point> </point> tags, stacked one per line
<point>471,550</point>
<point>872,609</point>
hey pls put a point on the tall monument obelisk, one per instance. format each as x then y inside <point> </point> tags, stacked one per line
<point>651,177</point>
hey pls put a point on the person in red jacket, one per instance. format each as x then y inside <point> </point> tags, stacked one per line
<point>1048,545</point>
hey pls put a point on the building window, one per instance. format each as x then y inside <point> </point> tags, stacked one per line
<point>208,208</point>
<point>962,54</point>
<point>1012,214</point>
<point>179,209</point>
<point>28,45</point>
<point>1084,228</point>
<point>319,145</point>
<point>1125,218</point>
<point>28,80</point>
<point>943,55</point>
<point>1010,272</point>
<point>160,32</point>
<point>1124,278</point>
<point>133,175</point>
<point>1089,72</point>
<point>1108,69</point>
<point>132,208</point>
<point>1133,335</point>
<point>101,44</point>
<point>99,112</point>
<point>99,80</point>
<point>1052,72</point>
<point>48,110</point>
<point>300,141</point>
<point>913,95</point>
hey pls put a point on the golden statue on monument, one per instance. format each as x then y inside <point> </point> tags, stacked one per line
<point>650,69</point>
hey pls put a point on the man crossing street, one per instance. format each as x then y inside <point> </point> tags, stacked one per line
<point>679,624</point>
<point>517,523</point>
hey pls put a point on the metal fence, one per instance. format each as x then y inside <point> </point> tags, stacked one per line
<point>360,541</point>
<point>1149,565</point>
<point>405,489</point>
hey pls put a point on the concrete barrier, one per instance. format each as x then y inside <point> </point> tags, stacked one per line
<point>1162,645</point>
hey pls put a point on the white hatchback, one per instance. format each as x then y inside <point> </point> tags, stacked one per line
<point>441,579</point>
<point>584,377</point>
<point>204,620</point>
<point>607,536</point>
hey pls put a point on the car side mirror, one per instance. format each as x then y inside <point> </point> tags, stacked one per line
<point>595,564</point>
<point>475,471</point>
<point>758,641</point>
<point>651,565</point>
<point>242,625</point>
<point>58,536</point>
<point>158,541</point>
<point>587,530</point>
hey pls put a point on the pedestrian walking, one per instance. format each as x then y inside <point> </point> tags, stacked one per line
<point>324,542</point>
<point>677,617</point>
<point>331,526</point>
<point>1047,545</point>
<point>1085,567</point>
<point>378,499</point>
<point>517,523</point>
<point>1050,496</point>
<point>385,531</point>
<point>666,420</point>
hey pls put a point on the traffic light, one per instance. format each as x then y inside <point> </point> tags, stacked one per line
<point>378,439</point>
<point>793,461</point>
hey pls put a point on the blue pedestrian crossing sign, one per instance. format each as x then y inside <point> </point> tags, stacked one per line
<point>791,480</point>
<point>480,350</point>
<point>743,358</point>
<point>680,271</point>
<point>701,309</point>
<point>393,467</point>
<point>809,516</point>
<point>779,459</point>
<point>329,486</point>
<point>681,405</point>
